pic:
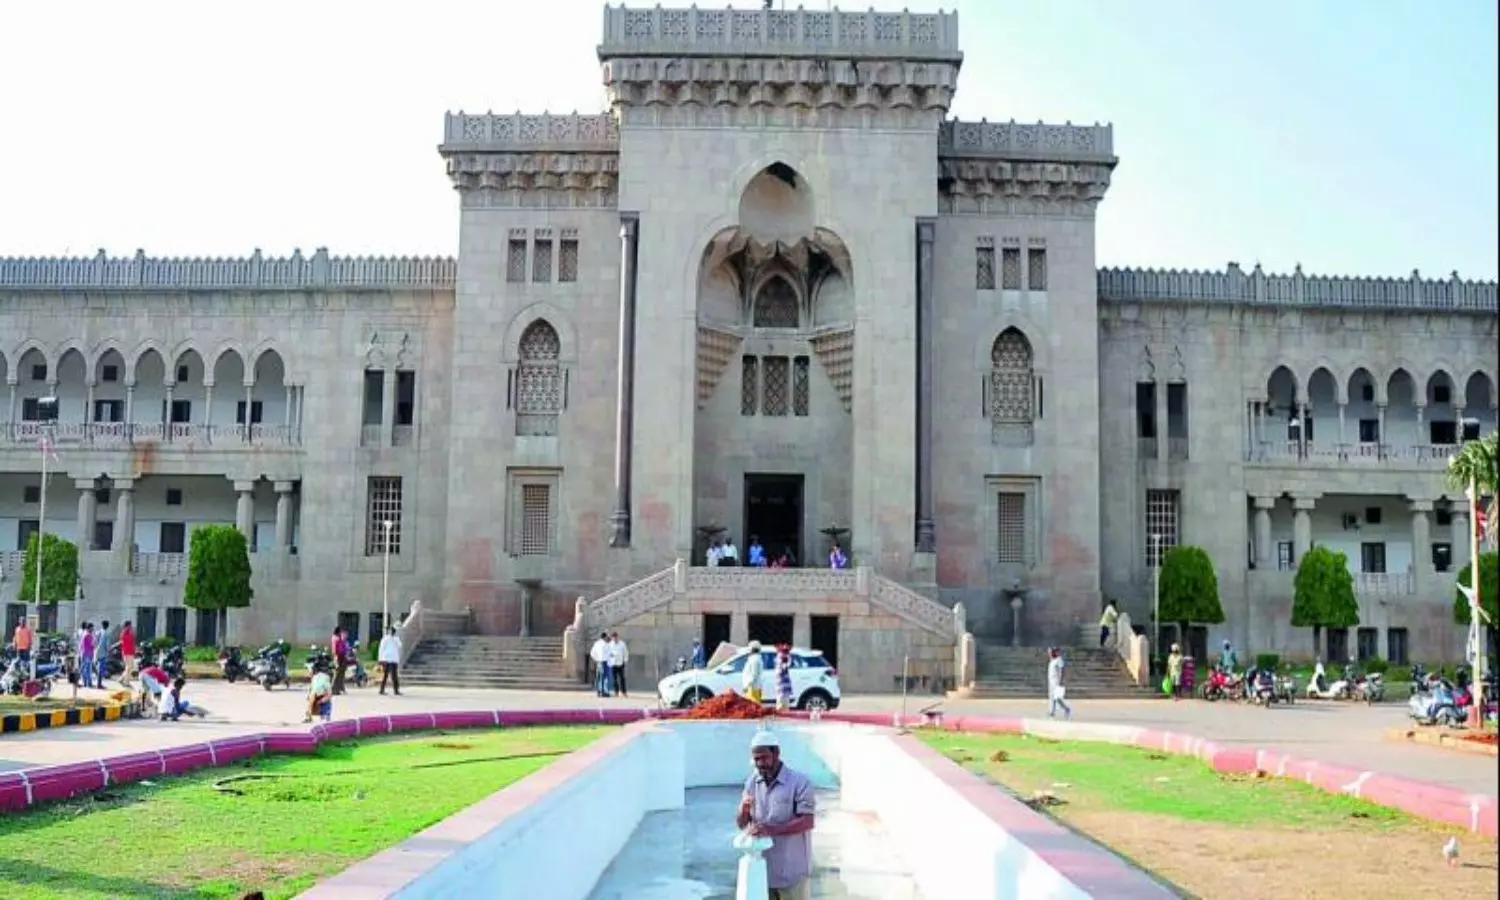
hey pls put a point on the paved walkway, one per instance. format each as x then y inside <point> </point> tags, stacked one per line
<point>1348,734</point>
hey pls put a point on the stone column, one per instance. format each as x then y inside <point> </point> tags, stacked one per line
<point>926,537</point>
<point>1265,557</point>
<point>1302,526</point>
<point>1421,418</point>
<point>1161,421</point>
<point>283,515</point>
<point>388,409</point>
<point>166,414</point>
<point>1421,541</point>
<point>1380,430</point>
<point>129,409</point>
<point>244,509</point>
<point>88,408</point>
<point>286,425</point>
<point>124,537</point>
<point>1460,534</point>
<point>1343,431</point>
<point>88,512</point>
<point>10,421</point>
<point>249,405</point>
<point>619,519</point>
<point>1302,442</point>
<point>208,411</point>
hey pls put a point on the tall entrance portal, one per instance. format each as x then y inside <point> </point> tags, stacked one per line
<point>773,513</point>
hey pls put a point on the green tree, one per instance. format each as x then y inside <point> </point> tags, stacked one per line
<point>1323,593</point>
<point>218,572</point>
<point>59,570</point>
<point>1189,589</point>
<point>1475,464</point>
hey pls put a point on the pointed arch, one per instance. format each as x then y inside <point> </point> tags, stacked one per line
<point>777,303</point>
<point>143,350</point>
<point>1012,400</point>
<point>24,349</point>
<point>539,381</point>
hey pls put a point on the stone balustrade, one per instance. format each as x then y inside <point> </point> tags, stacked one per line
<point>518,132</point>
<point>1340,454</point>
<point>799,32</point>
<point>190,435</point>
<point>1018,139</point>
<point>1234,285</point>
<point>255,272</point>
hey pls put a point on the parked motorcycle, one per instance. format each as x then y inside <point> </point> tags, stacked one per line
<point>171,661</point>
<point>1286,689</point>
<point>268,665</point>
<point>1370,688</point>
<point>1264,691</point>
<point>232,664</point>
<point>1435,704</point>
<point>319,658</point>
<point>1220,685</point>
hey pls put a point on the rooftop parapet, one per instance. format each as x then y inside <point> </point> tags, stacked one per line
<point>256,272</point>
<point>768,32</point>
<point>1235,286</point>
<point>521,133</point>
<point>1018,140</point>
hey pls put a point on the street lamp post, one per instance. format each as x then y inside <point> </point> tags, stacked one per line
<point>385,581</point>
<point>1476,610</point>
<point>47,412</point>
<point>1156,592</point>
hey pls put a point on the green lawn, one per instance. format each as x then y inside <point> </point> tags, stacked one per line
<point>181,838</point>
<point>1129,779</point>
<point>10,703</point>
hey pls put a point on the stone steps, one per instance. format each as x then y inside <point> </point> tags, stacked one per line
<point>489,661</point>
<point>1021,673</point>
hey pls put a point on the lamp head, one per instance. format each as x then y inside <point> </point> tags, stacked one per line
<point>388,524</point>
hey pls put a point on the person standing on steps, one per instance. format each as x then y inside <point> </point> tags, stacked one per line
<point>1107,622</point>
<point>390,660</point>
<point>1056,691</point>
<point>619,655</point>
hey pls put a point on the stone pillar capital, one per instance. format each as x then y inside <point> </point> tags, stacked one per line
<point>86,484</point>
<point>283,487</point>
<point>629,224</point>
<point>1266,503</point>
<point>122,483</point>
<point>243,487</point>
<point>1304,502</point>
<point>1421,506</point>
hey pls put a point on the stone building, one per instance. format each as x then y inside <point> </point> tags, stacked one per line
<point>706,311</point>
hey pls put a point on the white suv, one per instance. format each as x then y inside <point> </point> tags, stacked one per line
<point>815,684</point>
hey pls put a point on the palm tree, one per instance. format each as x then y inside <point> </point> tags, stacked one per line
<point>1475,465</point>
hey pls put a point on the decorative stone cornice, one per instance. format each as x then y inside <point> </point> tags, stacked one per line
<point>734,91</point>
<point>784,33</point>
<point>463,132</point>
<point>1006,168</point>
<point>254,272</point>
<point>1013,140</point>
<point>1234,286</point>
<point>541,179</point>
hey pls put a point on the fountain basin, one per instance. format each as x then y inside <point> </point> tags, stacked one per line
<point>900,816</point>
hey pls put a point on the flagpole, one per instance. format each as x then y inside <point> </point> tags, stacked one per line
<point>1476,610</point>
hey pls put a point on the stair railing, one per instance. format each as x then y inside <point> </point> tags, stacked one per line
<point>410,631</point>
<point>1134,649</point>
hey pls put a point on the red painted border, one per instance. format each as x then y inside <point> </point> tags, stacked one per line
<point>1478,813</point>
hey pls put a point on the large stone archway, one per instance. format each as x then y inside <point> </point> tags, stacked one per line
<point>773,431</point>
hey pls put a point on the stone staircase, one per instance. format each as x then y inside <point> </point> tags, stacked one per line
<point>483,661</point>
<point>1021,673</point>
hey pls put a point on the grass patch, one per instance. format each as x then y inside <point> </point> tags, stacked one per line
<point>16,704</point>
<point>1226,836</point>
<point>181,838</point>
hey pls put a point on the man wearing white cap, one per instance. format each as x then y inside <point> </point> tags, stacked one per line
<point>755,667</point>
<point>779,804</point>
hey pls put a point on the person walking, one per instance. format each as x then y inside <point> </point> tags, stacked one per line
<point>1057,692</point>
<point>1174,671</point>
<point>619,655</point>
<point>127,651</point>
<point>86,654</point>
<point>390,660</point>
<point>339,649</point>
<point>783,678</point>
<point>22,639</point>
<point>755,667</point>
<point>101,654</point>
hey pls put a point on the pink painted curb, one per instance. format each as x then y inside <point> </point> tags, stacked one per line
<point>1478,813</point>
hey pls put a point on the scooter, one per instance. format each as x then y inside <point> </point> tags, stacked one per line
<point>268,666</point>
<point>320,657</point>
<point>1370,688</point>
<point>1319,688</point>
<point>1264,691</point>
<point>1220,685</point>
<point>1436,705</point>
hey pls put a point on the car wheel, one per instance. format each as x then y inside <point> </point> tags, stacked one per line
<point>815,701</point>
<point>694,696</point>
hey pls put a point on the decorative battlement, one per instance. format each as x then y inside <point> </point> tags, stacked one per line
<point>1017,140</point>
<point>784,33</point>
<point>489,132</point>
<point>1235,286</point>
<point>255,272</point>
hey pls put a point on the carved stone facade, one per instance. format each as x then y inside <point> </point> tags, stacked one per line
<point>773,276</point>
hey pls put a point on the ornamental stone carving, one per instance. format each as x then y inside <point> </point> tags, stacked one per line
<point>631,601</point>
<point>912,606</point>
<point>992,186</point>
<point>770,584</point>
<point>541,179</point>
<point>1013,139</point>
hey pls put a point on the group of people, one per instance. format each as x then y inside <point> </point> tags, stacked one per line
<point>93,645</point>
<point>755,669</point>
<point>610,657</point>
<point>723,552</point>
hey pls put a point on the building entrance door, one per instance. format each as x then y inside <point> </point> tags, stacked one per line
<point>773,514</point>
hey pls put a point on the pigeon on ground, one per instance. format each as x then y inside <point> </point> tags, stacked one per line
<point>1450,852</point>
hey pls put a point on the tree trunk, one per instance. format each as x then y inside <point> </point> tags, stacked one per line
<point>1182,638</point>
<point>223,627</point>
<point>1317,642</point>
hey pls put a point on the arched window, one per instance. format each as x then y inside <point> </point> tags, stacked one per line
<point>776,305</point>
<point>539,381</point>
<point>1012,396</point>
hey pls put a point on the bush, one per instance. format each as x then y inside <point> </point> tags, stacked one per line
<point>165,642</point>
<point>1267,661</point>
<point>1376,666</point>
<point>199,653</point>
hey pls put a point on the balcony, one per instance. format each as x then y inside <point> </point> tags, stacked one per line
<point>1329,454</point>
<point>1384,584</point>
<point>120,435</point>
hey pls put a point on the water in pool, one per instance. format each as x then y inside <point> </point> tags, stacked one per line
<point>685,854</point>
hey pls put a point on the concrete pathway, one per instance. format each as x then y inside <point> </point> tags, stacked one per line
<point>1347,734</point>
